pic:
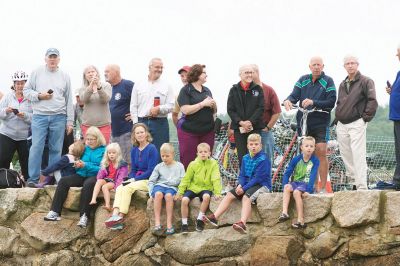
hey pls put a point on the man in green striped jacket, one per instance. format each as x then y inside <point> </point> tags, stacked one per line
<point>315,90</point>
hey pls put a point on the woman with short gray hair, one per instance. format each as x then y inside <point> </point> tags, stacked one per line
<point>95,96</point>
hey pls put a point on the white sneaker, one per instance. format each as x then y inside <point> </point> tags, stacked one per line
<point>83,221</point>
<point>52,216</point>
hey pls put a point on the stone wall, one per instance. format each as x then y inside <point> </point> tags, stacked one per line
<point>347,228</point>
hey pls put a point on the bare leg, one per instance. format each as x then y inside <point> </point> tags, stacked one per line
<point>106,193</point>
<point>299,205</point>
<point>158,197</point>
<point>224,205</point>
<point>185,207</point>
<point>286,197</point>
<point>320,152</point>
<point>169,205</point>
<point>205,203</point>
<point>96,190</point>
<point>246,209</point>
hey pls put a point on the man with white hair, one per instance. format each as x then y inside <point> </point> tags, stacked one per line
<point>356,106</point>
<point>394,115</point>
<point>151,102</point>
<point>315,90</point>
<point>245,107</point>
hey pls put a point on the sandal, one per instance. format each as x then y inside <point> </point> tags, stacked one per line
<point>283,217</point>
<point>170,231</point>
<point>298,225</point>
<point>157,230</point>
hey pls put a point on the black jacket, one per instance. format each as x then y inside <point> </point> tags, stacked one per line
<point>246,105</point>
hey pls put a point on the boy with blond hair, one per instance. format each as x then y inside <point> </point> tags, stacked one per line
<point>254,178</point>
<point>203,180</point>
<point>303,170</point>
<point>163,184</point>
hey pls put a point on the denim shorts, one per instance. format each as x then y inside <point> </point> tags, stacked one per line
<point>164,190</point>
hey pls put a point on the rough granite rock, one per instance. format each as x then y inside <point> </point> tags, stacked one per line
<point>392,213</point>
<point>207,246</point>
<point>356,208</point>
<point>72,201</point>
<point>148,240</point>
<point>59,258</point>
<point>232,215</point>
<point>41,234</point>
<point>367,246</point>
<point>317,207</point>
<point>8,203</point>
<point>325,245</point>
<point>269,207</point>
<point>8,237</point>
<point>134,260</point>
<point>115,243</point>
<point>276,250</point>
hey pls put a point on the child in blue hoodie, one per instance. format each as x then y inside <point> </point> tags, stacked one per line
<point>254,178</point>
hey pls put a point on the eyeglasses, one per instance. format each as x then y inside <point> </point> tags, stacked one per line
<point>248,73</point>
<point>90,139</point>
<point>350,63</point>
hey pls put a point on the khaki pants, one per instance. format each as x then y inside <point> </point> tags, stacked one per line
<point>123,194</point>
<point>352,140</point>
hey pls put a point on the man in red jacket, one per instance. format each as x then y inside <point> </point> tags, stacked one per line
<point>356,106</point>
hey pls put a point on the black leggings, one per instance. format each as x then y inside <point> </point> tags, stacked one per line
<point>87,184</point>
<point>8,147</point>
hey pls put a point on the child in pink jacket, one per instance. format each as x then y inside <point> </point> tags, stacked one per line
<point>113,171</point>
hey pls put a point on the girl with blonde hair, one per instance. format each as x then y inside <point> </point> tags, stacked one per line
<point>113,171</point>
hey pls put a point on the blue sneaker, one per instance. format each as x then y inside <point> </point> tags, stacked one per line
<point>117,227</point>
<point>113,220</point>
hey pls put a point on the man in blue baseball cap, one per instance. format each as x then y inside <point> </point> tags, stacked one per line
<point>49,90</point>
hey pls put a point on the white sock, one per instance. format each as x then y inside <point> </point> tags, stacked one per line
<point>200,217</point>
<point>184,220</point>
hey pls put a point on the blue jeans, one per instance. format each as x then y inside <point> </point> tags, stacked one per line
<point>268,143</point>
<point>53,127</point>
<point>159,130</point>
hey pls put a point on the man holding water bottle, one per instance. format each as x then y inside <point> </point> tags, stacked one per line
<point>315,90</point>
<point>151,101</point>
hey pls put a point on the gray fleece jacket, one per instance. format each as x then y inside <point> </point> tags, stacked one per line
<point>166,176</point>
<point>13,126</point>
<point>40,81</point>
<point>96,111</point>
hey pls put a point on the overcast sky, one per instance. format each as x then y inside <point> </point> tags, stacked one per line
<point>279,36</point>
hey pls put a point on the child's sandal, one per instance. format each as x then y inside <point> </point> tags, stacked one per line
<point>298,225</point>
<point>170,231</point>
<point>157,230</point>
<point>283,217</point>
